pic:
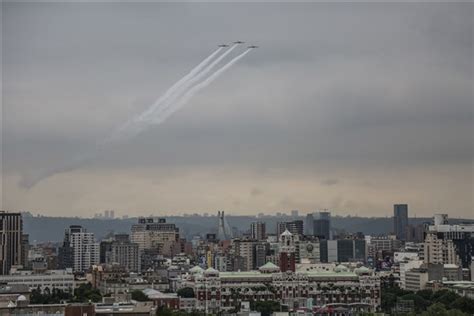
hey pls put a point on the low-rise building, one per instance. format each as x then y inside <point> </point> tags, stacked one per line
<point>51,279</point>
<point>222,291</point>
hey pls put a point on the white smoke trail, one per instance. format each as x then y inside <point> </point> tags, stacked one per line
<point>171,101</point>
<point>136,125</point>
<point>190,93</point>
<point>132,127</point>
<point>178,85</point>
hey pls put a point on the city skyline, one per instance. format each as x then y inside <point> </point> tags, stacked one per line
<point>346,107</point>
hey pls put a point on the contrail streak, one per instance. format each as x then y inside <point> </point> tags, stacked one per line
<point>169,103</point>
<point>186,97</point>
<point>181,82</point>
<point>132,127</point>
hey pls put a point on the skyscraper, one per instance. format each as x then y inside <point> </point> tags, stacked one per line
<point>309,224</point>
<point>11,231</point>
<point>322,225</point>
<point>258,231</point>
<point>80,250</point>
<point>295,227</point>
<point>400,220</point>
<point>124,253</point>
<point>151,233</point>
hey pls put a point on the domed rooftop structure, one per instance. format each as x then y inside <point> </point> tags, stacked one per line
<point>269,267</point>
<point>211,272</point>
<point>196,269</point>
<point>362,270</point>
<point>341,268</point>
<point>21,298</point>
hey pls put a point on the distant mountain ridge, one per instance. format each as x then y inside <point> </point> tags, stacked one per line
<point>44,228</point>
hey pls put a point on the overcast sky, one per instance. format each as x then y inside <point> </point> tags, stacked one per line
<point>349,107</point>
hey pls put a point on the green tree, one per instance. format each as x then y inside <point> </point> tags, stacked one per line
<point>463,304</point>
<point>85,293</point>
<point>447,298</point>
<point>164,311</point>
<point>426,294</point>
<point>266,308</point>
<point>139,296</point>
<point>437,309</point>
<point>186,292</point>
<point>420,303</point>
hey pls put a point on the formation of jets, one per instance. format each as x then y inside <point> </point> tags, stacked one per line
<point>237,42</point>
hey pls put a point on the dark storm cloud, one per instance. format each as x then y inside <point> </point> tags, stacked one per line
<point>332,86</point>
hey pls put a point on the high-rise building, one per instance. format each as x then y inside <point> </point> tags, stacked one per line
<point>259,254</point>
<point>343,250</point>
<point>294,227</point>
<point>400,221</point>
<point>309,224</point>
<point>25,247</point>
<point>150,233</point>
<point>445,243</point>
<point>416,233</point>
<point>244,252</point>
<point>322,225</point>
<point>80,250</point>
<point>124,253</point>
<point>11,231</point>
<point>258,231</point>
<point>439,250</point>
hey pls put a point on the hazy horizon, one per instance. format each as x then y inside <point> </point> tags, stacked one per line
<point>347,107</point>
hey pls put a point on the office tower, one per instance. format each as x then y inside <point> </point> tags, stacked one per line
<point>309,224</point>
<point>65,253</point>
<point>80,250</point>
<point>124,253</point>
<point>416,233</point>
<point>349,250</point>
<point>345,250</point>
<point>105,249</point>
<point>322,225</point>
<point>294,213</point>
<point>259,254</point>
<point>400,221</point>
<point>25,247</point>
<point>258,231</point>
<point>294,227</point>
<point>439,251</point>
<point>287,252</point>
<point>323,250</point>
<point>150,233</point>
<point>445,243</point>
<point>11,230</point>
<point>244,253</point>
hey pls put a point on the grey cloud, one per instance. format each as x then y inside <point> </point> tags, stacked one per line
<point>255,192</point>
<point>352,86</point>
<point>330,182</point>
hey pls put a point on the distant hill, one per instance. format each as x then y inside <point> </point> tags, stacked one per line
<point>43,228</point>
